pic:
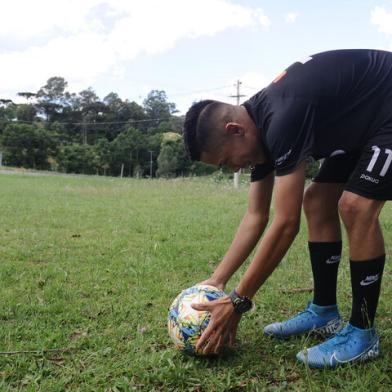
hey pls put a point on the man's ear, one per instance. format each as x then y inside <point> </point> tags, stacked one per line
<point>234,128</point>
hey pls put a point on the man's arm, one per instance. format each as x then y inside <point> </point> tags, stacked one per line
<point>280,235</point>
<point>284,228</point>
<point>249,231</point>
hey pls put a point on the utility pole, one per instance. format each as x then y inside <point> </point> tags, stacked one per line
<point>130,164</point>
<point>84,134</point>
<point>151,163</point>
<point>237,96</point>
<point>84,130</point>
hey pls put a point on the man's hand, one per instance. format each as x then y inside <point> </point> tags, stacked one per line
<point>222,327</point>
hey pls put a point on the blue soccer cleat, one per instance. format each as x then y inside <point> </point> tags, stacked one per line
<point>323,320</point>
<point>349,345</point>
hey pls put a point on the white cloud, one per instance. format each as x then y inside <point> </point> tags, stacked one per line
<point>77,58</point>
<point>82,40</point>
<point>381,18</point>
<point>24,19</point>
<point>291,17</point>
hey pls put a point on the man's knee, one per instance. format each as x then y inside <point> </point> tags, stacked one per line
<point>355,209</point>
<point>320,202</point>
<point>311,200</point>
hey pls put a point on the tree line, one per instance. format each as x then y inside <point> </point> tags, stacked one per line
<point>80,133</point>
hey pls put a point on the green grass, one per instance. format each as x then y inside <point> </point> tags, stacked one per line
<point>91,264</point>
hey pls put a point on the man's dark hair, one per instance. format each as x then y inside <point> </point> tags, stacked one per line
<point>201,126</point>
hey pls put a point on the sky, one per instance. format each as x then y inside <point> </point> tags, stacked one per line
<point>191,49</point>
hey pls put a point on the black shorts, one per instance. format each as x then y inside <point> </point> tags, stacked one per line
<point>367,173</point>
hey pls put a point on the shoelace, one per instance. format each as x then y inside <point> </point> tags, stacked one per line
<point>339,339</point>
<point>312,312</point>
<point>307,310</point>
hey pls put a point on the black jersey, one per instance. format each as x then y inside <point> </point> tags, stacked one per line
<point>328,104</point>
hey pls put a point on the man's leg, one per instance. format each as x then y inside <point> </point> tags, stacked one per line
<point>367,255</point>
<point>358,340</point>
<point>321,209</point>
<point>367,188</point>
<point>325,243</point>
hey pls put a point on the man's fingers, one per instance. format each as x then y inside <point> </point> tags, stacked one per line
<point>210,340</point>
<point>221,322</point>
<point>218,344</point>
<point>200,306</point>
<point>208,347</point>
<point>213,344</point>
<point>204,337</point>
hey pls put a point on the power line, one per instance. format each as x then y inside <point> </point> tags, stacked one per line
<point>252,88</point>
<point>84,123</point>
<point>237,96</point>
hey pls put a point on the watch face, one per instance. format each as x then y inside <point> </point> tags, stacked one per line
<point>242,305</point>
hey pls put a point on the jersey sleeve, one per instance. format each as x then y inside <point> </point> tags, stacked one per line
<point>261,171</point>
<point>289,138</point>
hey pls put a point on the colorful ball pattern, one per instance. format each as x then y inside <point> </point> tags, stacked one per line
<point>186,324</point>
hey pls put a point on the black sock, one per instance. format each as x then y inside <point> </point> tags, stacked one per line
<point>366,283</point>
<point>325,258</point>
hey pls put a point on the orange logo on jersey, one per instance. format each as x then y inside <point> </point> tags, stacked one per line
<point>282,75</point>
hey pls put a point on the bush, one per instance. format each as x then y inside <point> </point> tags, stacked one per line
<point>78,158</point>
<point>172,159</point>
<point>29,146</point>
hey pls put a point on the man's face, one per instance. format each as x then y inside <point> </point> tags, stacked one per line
<point>239,150</point>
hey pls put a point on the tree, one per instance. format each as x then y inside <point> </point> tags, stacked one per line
<point>121,114</point>
<point>26,112</point>
<point>78,158</point>
<point>129,111</point>
<point>28,146</point>
<point>126,149</point>
<point>27,95</point>
<point>172,159</point>
<point>53,91</point>
<point>5,102</point>
<point>148,154</point>
<point>92,110</point>
<point>113,101</point>
<point>104,156</point>
<point>87,97</point>
<point>157,107</point>
<point>7,113</point>
<point>146,138</point>
<point>52,97</point>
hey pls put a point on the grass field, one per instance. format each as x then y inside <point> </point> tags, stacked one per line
<point>89,266</point>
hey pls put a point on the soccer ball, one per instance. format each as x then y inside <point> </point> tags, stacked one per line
<point>186,324</point>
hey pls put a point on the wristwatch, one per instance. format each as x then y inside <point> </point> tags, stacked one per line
<point>241,304</point>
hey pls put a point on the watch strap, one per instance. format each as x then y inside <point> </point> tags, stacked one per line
<point>241,304</point>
